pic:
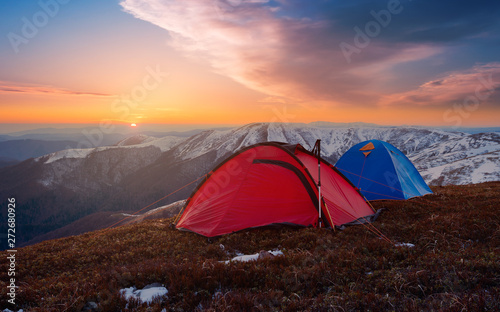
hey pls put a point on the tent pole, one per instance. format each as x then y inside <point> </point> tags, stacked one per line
<point>318,143</point>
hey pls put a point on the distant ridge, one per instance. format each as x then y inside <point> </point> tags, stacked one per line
<point>474,130</point>
<point>19,150</point>
<point>328,124</point>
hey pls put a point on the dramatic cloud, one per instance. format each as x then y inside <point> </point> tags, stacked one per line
<point>324,51</point>
<point>480,84</point>
<point>12,88</point>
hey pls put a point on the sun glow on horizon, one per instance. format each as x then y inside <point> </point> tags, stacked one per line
<point>140,63</point>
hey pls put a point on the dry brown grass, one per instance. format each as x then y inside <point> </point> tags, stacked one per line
<point>454,265</point>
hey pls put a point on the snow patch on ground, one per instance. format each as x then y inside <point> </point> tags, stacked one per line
<point>146,294</point>
<point>409,245</point>
<point>254,257</point>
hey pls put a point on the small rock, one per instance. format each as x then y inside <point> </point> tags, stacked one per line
<point>90,307</point>
<point>265,255</point>
<point>152,286</point>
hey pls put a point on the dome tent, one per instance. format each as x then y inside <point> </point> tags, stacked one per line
<point>381,171</point>
<point>271,183</point>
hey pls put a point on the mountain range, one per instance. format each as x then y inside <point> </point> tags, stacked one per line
<point>18,146</point>
<point>56,190</point>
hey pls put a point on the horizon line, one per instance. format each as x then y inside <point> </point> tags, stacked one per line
<point>11,128</point>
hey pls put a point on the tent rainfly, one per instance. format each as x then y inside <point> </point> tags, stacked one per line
<point>272,183</point>
<point>381,171</point>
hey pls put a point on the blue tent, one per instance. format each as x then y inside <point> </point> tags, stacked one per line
<point>381,171</point>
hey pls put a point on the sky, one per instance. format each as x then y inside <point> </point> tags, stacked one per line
<point>391,62</point>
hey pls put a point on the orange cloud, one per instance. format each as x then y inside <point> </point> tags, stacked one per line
<point>32,89</point>
<point>479,82</point>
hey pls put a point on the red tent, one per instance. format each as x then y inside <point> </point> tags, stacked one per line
<point>271,183</point>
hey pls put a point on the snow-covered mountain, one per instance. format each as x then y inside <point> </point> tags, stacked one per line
<point>334,141</point>
<point>467,159</point>
<point>59,188</point>
<point>443,157</point>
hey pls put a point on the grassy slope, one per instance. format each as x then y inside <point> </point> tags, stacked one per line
<point>454,265</point>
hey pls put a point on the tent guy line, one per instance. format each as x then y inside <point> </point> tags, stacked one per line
<point>378,182</point>
<point>155,202</point>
